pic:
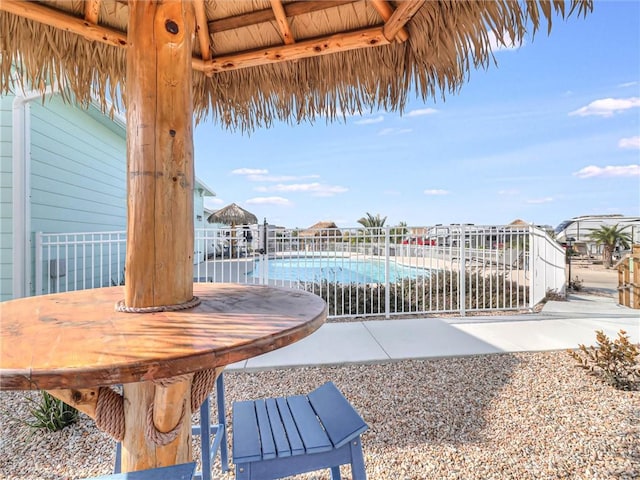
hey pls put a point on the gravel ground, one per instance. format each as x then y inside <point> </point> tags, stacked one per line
<point>507,416</point>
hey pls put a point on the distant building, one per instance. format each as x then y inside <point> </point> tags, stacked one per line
<point>580,229</point>
<point>62,170</point>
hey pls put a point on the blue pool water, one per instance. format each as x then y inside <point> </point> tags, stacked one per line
<point>335,270</point>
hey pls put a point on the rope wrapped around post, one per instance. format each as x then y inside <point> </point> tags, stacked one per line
<point>202,385</point>
<point>194,302</point>
<point>110,406</point>
<point>110,413</point>
<point>158,437</point>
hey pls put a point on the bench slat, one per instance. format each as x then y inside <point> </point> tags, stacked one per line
<point>246,442</point>
<point>341,422</point>
<point>183,471</point>
<point>295,442</point>
<point>277,429</point>
<point>265,428</point>
<point>313,435</point>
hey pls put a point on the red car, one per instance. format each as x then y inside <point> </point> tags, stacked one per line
<point>419,241</point>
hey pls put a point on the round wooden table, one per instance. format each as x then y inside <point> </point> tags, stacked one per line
<point>76,345</point>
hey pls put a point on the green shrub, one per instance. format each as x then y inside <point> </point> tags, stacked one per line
<point>616,362</point>
<point>436,292</point>
<point>51,413</point>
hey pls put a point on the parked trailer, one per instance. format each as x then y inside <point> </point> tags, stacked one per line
<point>580,229</point>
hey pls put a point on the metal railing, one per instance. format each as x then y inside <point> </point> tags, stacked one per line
<point>359,272</point>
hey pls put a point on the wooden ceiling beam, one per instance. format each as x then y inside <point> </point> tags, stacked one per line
<point>64,21</point>
<point>370,37</point>
<point>283,23</point>
<point>340,42</point>
<point>202,29</point>
<point>386,10</point>
<point>92,11</point>
<point>267,15</point>
<point>405,11</point>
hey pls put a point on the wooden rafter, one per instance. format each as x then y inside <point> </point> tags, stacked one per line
<point>386,10</point>
<point>267,15</point>
<point>405,11</point>
<point>370,37</point>
<point>63,21</point>
<point>283,23</point>
<point>340,42</point>
<point>202,28</point>
<point>92,11</point>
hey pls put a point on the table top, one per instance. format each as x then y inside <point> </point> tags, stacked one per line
<point>78,340</point>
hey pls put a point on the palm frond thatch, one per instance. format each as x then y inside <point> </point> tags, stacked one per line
<point>433,53</point>
<point>321,229</point>
<point>233,215</point>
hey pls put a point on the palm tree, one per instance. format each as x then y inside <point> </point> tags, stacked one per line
<point>398,232</point>
<point>609,237</point>
<point>373,225</point>
<point>371,221</point>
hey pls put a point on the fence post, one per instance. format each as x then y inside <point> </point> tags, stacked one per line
<point>387,292</point>
<point>265,241</point>
<point>528,264</point>
<point>462,276</point>
<point>38,290</point>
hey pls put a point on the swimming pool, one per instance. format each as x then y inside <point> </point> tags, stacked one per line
<point>334,270</point>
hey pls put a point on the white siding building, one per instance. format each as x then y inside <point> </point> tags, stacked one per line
<point>62,169</point>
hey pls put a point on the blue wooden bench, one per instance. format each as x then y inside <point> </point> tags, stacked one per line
<point>279,437</point>
<point>216,430</point>
<point>184,471</point>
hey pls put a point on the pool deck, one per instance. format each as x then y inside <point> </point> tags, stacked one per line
<point>560,325</point>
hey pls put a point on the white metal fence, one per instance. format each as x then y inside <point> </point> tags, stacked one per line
<point>359,272</point>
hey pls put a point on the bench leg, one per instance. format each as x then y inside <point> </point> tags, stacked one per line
<point>335,473</point>
<point>357,460</point>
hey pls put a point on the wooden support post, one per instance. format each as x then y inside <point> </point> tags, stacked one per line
<point>172,404</point>
<point>635,283</point>
<point>82,399</point>
<point>621,284</point>
<point>626,300</point>
<point>160,177</point>
<point>159,263</point>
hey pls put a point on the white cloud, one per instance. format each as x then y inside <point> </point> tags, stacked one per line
<point>609,171</point>
<point>630,142</point>
<point>279,178</point>
<point>538,201</point>
<point>421,111</point>
<point>214,201</point>
<point>394,131</point>
<point>436,191</point>
<point>249,171</point>
<point>268,201</point>
<point>510,191</point>
<point>316,189</point>
<point>369,121</point>
<point>506,43</point>
<point>628,84</point>
<point>607,107</point>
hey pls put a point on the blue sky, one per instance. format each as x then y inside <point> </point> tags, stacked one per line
<point>551,132</point>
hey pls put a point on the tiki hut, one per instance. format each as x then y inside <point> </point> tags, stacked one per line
<point>321,230</point>
<point>233,215</point>
<point>245,64</point>
<point>319,236</point>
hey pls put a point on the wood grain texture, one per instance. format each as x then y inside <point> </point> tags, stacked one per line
<point>63,21</point>
<point>78,340</point>
<point>160,171</point>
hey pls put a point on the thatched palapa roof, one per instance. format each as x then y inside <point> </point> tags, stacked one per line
<point>233,214</point>
<point>260,60</point>
<point>321,229</point>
